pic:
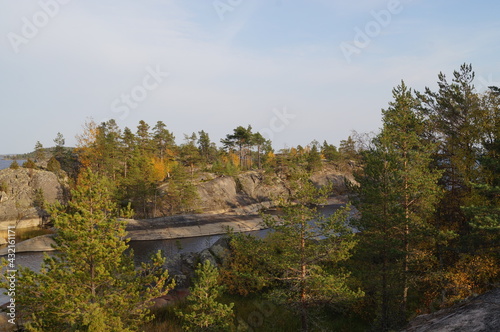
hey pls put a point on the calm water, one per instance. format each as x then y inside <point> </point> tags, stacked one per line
<point>6,163</point>
<point>142,252</point>
<point>144,249</point>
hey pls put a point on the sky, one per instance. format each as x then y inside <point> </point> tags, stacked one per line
<point>295,70</point>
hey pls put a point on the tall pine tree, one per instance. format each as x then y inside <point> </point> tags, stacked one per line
<point>91,283</point>
<point>397,194</point>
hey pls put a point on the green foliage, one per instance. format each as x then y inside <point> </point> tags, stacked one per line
<point>59,148</point>
<point>225,168</point>
<point>53,165</point>
<point>39,199</point>
<point>4,186</point>
<point>90,284</point>
<point>245,140</point>
<point>204,312</point>
<point>14,165</point>
<point>457,122</point>
<point>330,152</point>
<point>396,197</point>
<point>463,123</point>
<point>298,264</point>
<point>39,152</point>
<point>189,153</point>
<point>29,164</point>
<point>239,272</point>
<point>313,159</point>
<point>181,195</point>
<point>163,139</point>
<point>306,248</point>
<point>207,148</point>
<point>347,149</point>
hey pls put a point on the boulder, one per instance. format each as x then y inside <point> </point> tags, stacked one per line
<point>39,243</point>
<point>220,249</point>
<point>206,255</point>
<point>188,264</point>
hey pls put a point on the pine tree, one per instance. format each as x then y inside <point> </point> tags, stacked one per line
<point>347,149</point>
<point>39,152</point>
<point>162,139</point>
<point>313,159</point>
<point>53,165</point>
<point>258,140</point>
<point>189,153</point>
<point>14,165</point>
<point>403,136</point>
<point>181,193</point>
<point>109,146</point>
<point>207,148</point>
<point>456,123</point>
<point>484,215</point>
<point>380,246</point>
<point>204,312</point>
<point>59,148</point>
<point>305,250</point>
<point>329,151</point>
<point>397,195</point>
<point>29,164</point>
<point>90,284</point>
<point>143,135</point>
<point>242,138</point>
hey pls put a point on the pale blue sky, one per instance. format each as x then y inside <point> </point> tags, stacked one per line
<point>244,62</point>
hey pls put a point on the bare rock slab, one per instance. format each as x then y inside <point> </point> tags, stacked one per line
<point>481,314</point>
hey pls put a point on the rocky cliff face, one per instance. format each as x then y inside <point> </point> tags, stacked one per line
<point>22,190</point>
<point>246,193</point>
<point>250,191</point>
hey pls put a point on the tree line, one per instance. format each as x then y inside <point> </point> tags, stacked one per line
<point>154,174</point>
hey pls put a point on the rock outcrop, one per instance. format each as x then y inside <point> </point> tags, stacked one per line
<point>38,243</point>
<point>216,255</point>
<point>22,190</point>
<point>191,225</point>
<point>251,191</point>
<point>480,314</point>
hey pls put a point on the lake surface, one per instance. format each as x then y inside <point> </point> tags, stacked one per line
<point>142,252</point>
<point>144,249</point>
<point>6,163</point>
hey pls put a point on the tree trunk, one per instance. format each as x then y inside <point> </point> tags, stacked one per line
<point>258,155</point>
<point>406,240</point>
<point>303,276</point>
